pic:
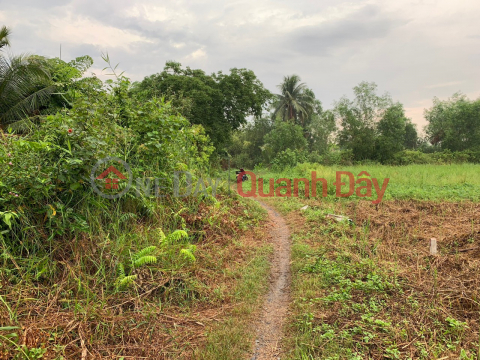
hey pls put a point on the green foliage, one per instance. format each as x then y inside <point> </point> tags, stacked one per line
<point>372,126</point>
<point>67,77</point>
<point>285,135</point>
<point>23,351</point>
<point>46,173</point>
<point>320,129</point>
<point>7,217</point>
<point>454,124</point>
<point>260,141</point>
<point>408,157</point>
<point>144,257</point>
<point>288,159</point>
<point>219,102</point>
<point>137,260</point>
<point>411,137</point>
<point>31,353</point>
<point>358,119</point>
<point>188,253</point>
<point>391,133</point>
<point>176,236</point>
<point>456,325</point>
<point>4,37</point>
<point>127,270</point>
<point>25,86</point>
<point>247,144</point>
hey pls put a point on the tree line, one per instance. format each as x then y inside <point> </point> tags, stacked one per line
<point>369,127</point>
<point>242,119</point>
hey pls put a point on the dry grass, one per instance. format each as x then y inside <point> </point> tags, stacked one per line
<point>376,286</point>
<point>165,316</point>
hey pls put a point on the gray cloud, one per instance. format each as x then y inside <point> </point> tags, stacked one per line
<point>360,27</point>
<point>413,50</point>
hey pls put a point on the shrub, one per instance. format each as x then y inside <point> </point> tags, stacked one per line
<point>408,157</point>
<point>288,159</point>
<point>45,175</point>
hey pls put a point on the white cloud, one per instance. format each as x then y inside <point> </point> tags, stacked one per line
<point>86,31</point>
<point>445,84</point>
<point>200,53</point>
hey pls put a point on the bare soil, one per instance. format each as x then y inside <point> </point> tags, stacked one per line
<point>270,324</point>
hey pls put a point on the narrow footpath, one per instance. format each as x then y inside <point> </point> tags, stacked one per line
<point>272,318</point>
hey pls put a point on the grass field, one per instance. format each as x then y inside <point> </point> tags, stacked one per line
<point>422,182</point>
<point>370,289</point>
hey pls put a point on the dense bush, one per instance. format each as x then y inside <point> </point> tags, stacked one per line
<point>246,146</point>
<point>284,135</point>
<point>45,174</point>
<point>454,124</point>
<point>408,157</point>
<point>288,159</point>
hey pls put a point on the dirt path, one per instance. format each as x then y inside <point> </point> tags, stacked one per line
<point>270,324</point>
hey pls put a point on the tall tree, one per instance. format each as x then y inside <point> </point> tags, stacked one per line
<point>358,119</point>
<point>454,124</point>
<point>391,132</point>
<point>320,130</point>
<point>411,136</point>
<point>4,34</point>
<point>220,102</point>
<point>294,103</point>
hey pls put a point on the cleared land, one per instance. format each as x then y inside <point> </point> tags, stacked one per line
<point>370,289</point>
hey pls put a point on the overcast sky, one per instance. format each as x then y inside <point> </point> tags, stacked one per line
<point>415,50</point>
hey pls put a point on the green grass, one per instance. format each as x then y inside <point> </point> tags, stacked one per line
<point>232,339</point>
<point>423,182</point>
<point>369,290</point>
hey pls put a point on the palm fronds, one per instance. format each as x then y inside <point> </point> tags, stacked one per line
<point>294,102</point>
<point>24,88</point>
<point>4,33</point>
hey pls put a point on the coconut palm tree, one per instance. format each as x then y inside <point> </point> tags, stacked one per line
<point>25,85</point>
<point>24,88</point>
<point>4,33</point>
<point>294,103</point>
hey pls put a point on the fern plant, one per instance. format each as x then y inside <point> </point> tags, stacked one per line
<point>174,237</point>
<point>188,252</point>
<point>122,279</point>
<point>144,257</point>
<point>126,271</point>
<point>139,259</point>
